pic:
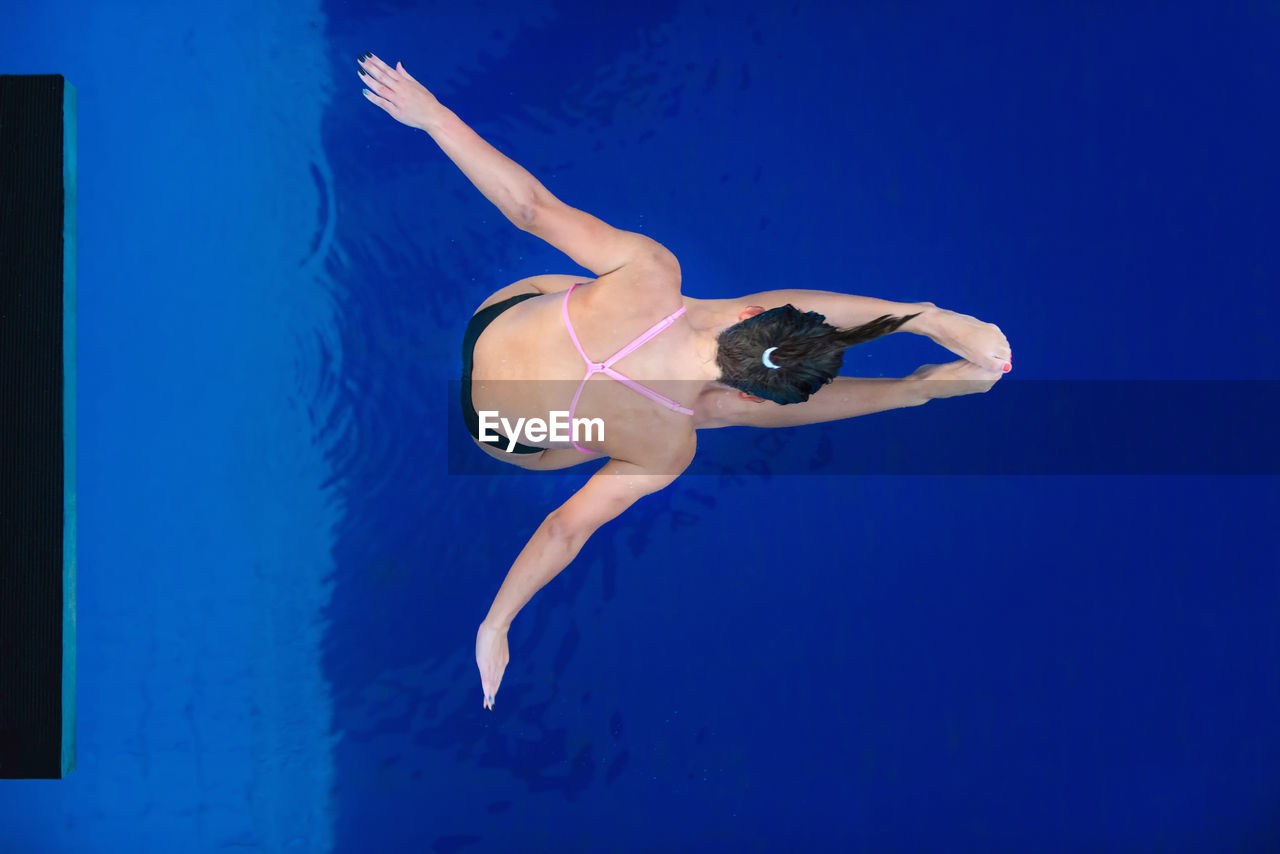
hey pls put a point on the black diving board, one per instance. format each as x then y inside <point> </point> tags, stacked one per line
<point>37,426</point>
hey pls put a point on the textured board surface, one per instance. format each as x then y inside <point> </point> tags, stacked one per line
<point>37,426</point>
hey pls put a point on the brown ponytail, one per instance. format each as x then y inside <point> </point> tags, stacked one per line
<point>807,350</point>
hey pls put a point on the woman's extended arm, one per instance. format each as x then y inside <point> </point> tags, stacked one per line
<point>556,542</point>
<point>502,181</point>
<point>610,491</point>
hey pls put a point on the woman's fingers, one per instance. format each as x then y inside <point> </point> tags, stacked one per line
<point>377,86</point>
<point>382,81</point>
<point>393,89</point>
<point>376,80</point>
<point>379,70</point>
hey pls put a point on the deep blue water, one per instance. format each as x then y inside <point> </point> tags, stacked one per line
<point>280,579</point>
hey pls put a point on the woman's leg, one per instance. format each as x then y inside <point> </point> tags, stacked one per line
<point>844,310</point>
<point>979,342</point>
<point>843,397</point>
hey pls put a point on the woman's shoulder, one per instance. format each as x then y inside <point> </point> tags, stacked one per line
<point>649,283</point>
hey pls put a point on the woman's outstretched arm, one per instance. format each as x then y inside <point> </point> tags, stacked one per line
<point>611,490</point>
<point>522,198</point>
<point>616,486</point>
<point>502,181</point>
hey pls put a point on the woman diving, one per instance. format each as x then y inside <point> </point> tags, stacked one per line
<point>768,359</point>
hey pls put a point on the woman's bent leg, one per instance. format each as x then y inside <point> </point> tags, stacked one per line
<point>843,397</point>
<point>844,310</point>
<point>969,338</point>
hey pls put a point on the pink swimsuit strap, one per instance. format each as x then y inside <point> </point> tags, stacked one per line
<point>606,367</point>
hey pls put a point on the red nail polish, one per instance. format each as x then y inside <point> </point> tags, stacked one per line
<point>1008,367</point>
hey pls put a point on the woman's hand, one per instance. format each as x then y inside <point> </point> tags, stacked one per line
<point>407,100</point>
<point>491,657</point>
<point>954,379</point>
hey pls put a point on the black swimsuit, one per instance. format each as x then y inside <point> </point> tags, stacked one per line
<point>479,321</point>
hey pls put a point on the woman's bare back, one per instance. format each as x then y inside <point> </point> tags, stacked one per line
<point>526,366</point>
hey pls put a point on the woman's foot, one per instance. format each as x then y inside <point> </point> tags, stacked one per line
<point>970,338</point>
<point>953,379</point>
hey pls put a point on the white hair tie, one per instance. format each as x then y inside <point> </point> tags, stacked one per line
<point>765,359</point>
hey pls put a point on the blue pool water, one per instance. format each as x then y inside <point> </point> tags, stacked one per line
<point>280,580</point>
